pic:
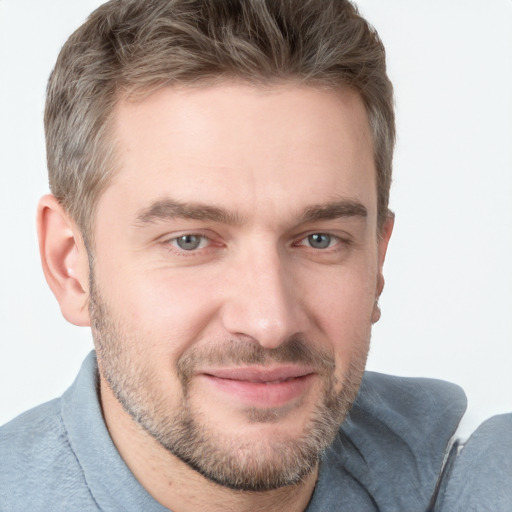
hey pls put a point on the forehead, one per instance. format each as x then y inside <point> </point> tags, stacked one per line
<point>244,148</point>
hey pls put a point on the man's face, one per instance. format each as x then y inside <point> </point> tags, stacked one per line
<point>236,263</point>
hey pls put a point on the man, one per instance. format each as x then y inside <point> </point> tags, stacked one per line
<point>219,216</point>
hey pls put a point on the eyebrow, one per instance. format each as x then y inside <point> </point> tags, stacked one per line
<point>167,209</point>
<point>334,210</point>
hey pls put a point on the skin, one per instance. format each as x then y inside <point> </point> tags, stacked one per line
<point>284,165</point>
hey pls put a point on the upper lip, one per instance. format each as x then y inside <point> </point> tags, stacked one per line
<point>260,374</point>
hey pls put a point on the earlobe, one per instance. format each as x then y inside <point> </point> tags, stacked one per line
<point>64,260</point>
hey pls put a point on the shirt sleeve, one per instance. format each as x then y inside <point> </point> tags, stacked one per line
<point>480,477</point>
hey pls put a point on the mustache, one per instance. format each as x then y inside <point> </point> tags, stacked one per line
<point>244,352</point>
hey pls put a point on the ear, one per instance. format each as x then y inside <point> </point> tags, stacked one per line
<point>64,259</point>
<point>384,236</point>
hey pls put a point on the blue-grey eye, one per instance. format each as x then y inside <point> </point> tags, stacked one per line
<point>319,240</point>
<point>189,242</point>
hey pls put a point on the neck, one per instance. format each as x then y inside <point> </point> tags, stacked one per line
<point>178,487</point>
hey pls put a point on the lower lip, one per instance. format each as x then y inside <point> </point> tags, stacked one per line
<point>261,394</point>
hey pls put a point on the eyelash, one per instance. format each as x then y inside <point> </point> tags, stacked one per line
<point>206,243</point>
<point>334,241</point>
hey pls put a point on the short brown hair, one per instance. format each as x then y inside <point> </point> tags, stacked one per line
<point>128,47</point>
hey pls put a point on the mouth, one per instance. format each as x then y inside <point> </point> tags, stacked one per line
<point>261,387</point>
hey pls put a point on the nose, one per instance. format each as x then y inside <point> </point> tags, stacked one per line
<point>262,300</point>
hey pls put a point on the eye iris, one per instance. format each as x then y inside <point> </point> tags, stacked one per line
<point>319,240</point>
<point>188,242</point>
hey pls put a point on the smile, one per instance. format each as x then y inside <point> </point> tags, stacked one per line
<point>261,387</point>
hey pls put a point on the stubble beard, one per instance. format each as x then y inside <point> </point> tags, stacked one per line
<point>230,461</point>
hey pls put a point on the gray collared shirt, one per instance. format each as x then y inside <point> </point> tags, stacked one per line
<point>387,456</point>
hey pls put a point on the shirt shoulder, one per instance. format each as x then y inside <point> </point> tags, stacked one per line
<point>39,470</point>
<point>60,457</point>
<point>390,450</point>
<point>481,475</point>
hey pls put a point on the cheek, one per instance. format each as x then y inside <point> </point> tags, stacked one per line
<point>343,313</point>
<point>164,314</point>
<point>344,298</point>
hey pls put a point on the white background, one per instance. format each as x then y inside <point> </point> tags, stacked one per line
<point>447,305</point>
